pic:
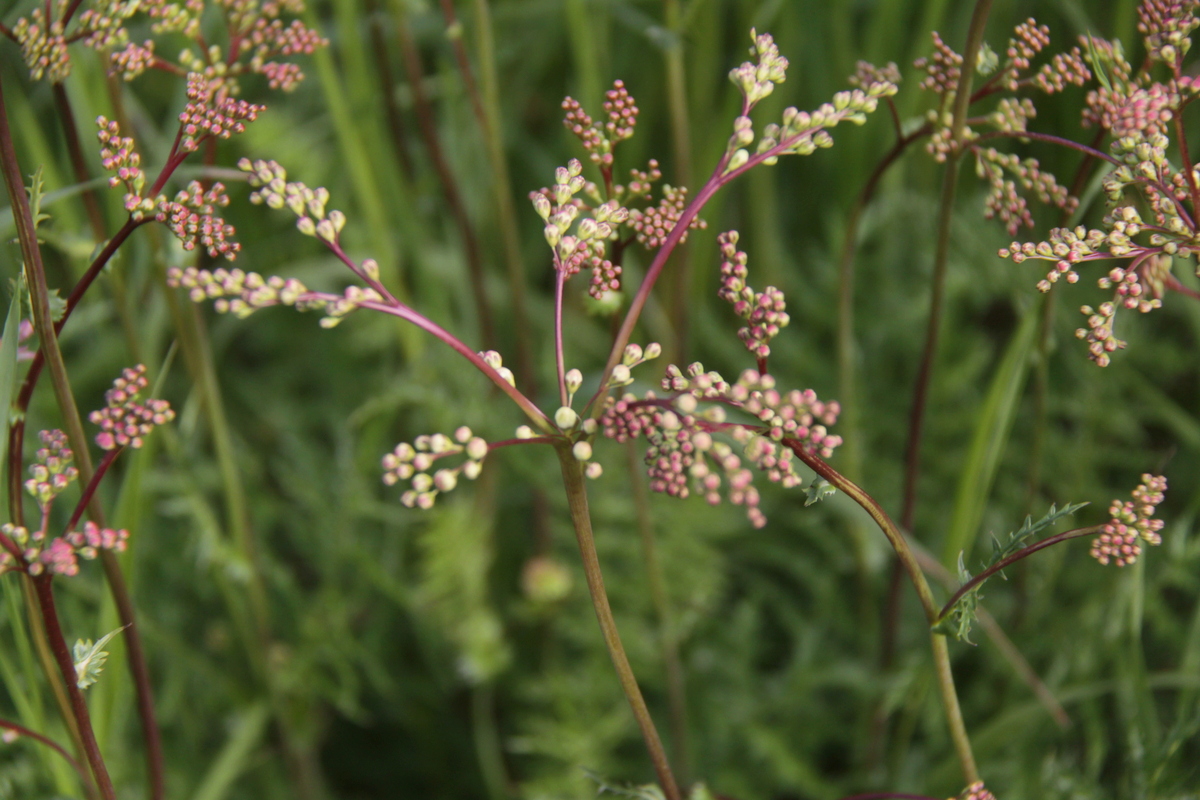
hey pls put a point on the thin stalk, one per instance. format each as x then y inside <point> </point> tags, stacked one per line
<point>502,187</point>
<point>21,730</point>
<point>916,422</point>
<point>41,644</point>
<point>908,561</point>
<point>572,473</point>
<point>962,99</point>
<point>62,657</point>
<point>669,646</point>
<point>559,362</point>
<point>429,134</point>
<point>488,749</point>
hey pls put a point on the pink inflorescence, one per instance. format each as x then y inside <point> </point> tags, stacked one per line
<point>942,69</point>
<point>653,225</point>
<point>211,111</point>
<point>1166,25</point>
<point>125,421</point>
<point>1004,200</point>
<point>685,454</point>
<point>1132,523</point>
<point>622,112</point>
<point>765,311</point>
<point>191,217</point>
<point>53,469</point>
<point>43,46</point>
<point>59,556</point>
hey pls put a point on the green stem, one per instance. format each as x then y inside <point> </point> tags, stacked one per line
<point>572,473</point>
<point>908,561</point>
<point>676,695</point>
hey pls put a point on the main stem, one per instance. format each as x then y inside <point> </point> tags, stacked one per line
<point>908,561</point>
<point>572,472</point>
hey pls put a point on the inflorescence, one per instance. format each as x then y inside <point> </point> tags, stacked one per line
<point>1140,114</point>
<point>1132,523</point>
<point>412,462</point>
<point>125,420</point>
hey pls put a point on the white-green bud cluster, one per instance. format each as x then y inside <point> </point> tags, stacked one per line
<point>413,462</point>
<point>270,179</point>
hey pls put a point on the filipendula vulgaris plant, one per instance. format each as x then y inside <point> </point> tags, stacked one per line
<point>222,42</point>
<point>588,225</point>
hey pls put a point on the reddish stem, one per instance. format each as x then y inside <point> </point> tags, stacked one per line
<point>62,657</point>
<point>21,730</point>
<point>1015,557</point>
<point>90,489</point>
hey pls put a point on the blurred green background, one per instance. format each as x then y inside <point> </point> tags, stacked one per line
<point>312,638</point>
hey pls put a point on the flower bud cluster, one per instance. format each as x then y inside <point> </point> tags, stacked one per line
<point>133,60</point>
<point>412,462</point>
<point>52,470</point>
<point>269,37</point>
<point>125,420</point>
<point>105,22</point>
<point>1132,523</point>
<point>1004,201</point>
<point>943,68</point>
<point>211,110</point>
<point>654,224</point>
<point>763,311</point>
<point>190,217</point>
<point>1027,41</point>
<point>802,132</point>
<point>61,555</point>
<point>621,112</point>
<point>684,455</point>
<point>641,183</point>
<point>756,81</point>
<point>798,415</point>
<point>1167,26</point>
<point>118,154</point>
<point>273,188</point>
<point>559,208</point>
<point>237,292</point>
<point>634,355</point>
<point>43,45</point>
<point>866,74</point>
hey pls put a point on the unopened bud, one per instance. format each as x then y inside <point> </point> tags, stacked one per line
<point>565,418</point>
<point>582,451</point>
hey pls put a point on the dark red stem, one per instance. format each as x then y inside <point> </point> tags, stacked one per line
<point>1015,557</point>
<point>62,657</point>
<point>53,745</point>
<point>90,489</point>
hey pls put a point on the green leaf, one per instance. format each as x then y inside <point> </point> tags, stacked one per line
<point>90,658</point>
<point>818,490</point>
